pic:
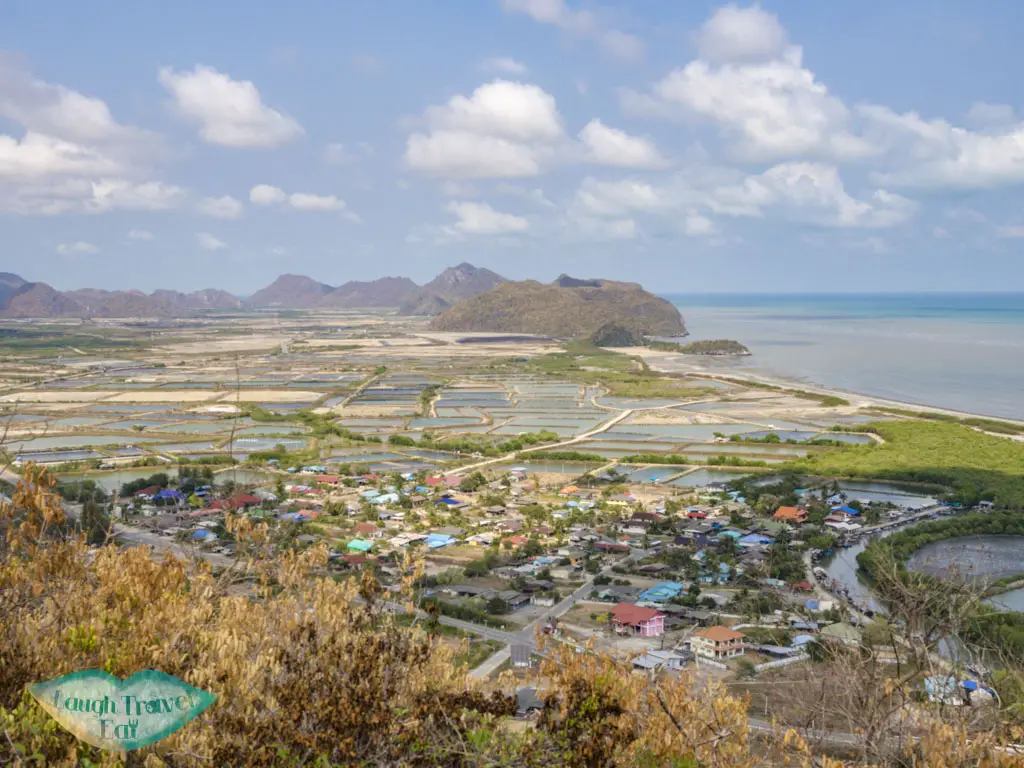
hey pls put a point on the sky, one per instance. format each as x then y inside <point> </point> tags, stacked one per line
<point>787,146</point>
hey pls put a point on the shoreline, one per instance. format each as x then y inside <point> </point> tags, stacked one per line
<point>857,399</point>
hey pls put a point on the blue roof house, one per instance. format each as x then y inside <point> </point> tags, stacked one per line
<point>438,540</point>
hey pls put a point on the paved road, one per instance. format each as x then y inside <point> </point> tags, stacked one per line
<point>527,635</point>
<point>602,427</point>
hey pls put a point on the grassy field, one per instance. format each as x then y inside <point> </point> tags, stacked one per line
<point>974,465</point>
<point>622,375</point>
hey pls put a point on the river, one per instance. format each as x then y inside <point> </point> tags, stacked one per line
<point>983,558</point>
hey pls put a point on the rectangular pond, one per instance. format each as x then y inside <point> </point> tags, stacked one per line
<point>574,468</point>
<point>266,443</point>
<point>67,441</point>
<point>441,422</point>
<point>132,423</point>
<point>682,432</point>
<point>70,421</point>
<point>702,477</point>
<point>58,457</point>
<point>652,474</point>
<point>362,458</point>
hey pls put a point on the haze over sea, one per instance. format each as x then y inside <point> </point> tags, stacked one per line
<point>963,351</point>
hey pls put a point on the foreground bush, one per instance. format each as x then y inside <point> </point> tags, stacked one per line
<point>311,671</point>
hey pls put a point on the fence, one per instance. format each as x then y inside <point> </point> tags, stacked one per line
<point>781,662</point>
<point>710,663</point>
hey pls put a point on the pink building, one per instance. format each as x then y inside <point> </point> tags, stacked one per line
<point>628,618</point>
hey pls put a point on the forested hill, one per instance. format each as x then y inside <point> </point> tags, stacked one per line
<point>565,309</point>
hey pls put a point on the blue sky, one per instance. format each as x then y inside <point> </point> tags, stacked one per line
<point>786,146</point>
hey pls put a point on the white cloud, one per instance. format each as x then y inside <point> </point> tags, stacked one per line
<point>470,156</point>
<point>751,83</point>
<point>140,235</point>
<point>800,191</point>
<point>610,146</point>
<point>509,110</point>
<point>619,198</point>
<point>941,233</point>
<point>696,225</point>
<point>502,130</point>
<point>503,64</point>
<point>119,194</point>
<point>812,192</point>
<point>224,207</point>
<point>80,195</point>
<point>482,219</point>
<point>937,154</point>
<point>38,156</point>
<point>231,113</point>
<point>302,201</point>
<point>735,34</point>
<point>55,110</point>
<point>210,243</point>
<point>580,22</point>
<point>77,248</point>
<point>264,194</point>
<point>1013,232</point>
<point>766,110</point>
<point>73,156</point>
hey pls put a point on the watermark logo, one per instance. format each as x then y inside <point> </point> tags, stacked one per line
<point>117,714</point>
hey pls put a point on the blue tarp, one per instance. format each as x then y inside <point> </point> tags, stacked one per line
<point>170,493</point>
<point>435,540</point>
<point>846,509</point>
<point>202,534</point>
<point>754,538</point>
<point>293,516</point>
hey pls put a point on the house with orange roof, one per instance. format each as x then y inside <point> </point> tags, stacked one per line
<point>717,643</point>
<point>791,515</point>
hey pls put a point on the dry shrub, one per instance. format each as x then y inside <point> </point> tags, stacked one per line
<point>311,671</point>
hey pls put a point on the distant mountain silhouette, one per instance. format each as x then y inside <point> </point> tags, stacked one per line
<point>453,285</point>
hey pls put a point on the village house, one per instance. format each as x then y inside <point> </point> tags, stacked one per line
<point>628,618</point>
<point>717,643</point>
<point>369,530</point>
<point>791,515</point>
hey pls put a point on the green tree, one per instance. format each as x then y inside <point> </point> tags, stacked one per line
<point>496,606</point>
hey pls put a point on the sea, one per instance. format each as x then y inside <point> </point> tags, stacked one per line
<point>962,351</point>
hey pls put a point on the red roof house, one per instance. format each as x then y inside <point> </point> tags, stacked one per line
<point>631,619</point>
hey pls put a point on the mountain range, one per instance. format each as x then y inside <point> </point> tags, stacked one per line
<point>20,298</point>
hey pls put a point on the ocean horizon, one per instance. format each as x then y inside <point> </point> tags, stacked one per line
<point>962,351</point>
